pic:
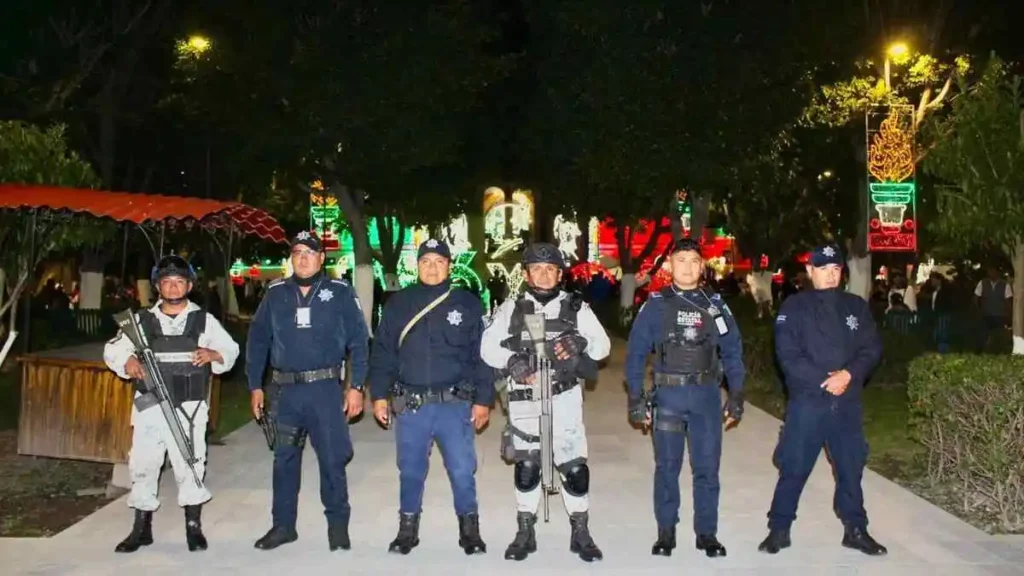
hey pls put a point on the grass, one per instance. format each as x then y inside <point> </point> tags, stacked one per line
<point>234,406</point>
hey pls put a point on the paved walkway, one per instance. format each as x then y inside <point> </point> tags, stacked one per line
<point>921,538</point>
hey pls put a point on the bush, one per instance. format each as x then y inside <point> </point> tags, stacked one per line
<point>969,414</point>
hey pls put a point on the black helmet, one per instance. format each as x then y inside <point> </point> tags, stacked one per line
<point>543,253</point>
<point>172,265</point>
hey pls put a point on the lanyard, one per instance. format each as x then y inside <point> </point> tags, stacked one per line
<point>300,299</point>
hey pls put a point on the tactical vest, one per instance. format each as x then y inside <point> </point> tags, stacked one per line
<point>564,322</point>
<point>185,381</point>
<point>689,339</point>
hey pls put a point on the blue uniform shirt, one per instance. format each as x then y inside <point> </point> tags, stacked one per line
<point>441,350</point>
<point>647,333</point>
<point>822,331</point>
<point>336,328</point>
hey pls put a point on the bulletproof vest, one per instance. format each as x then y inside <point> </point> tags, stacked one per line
<point>184,381</point>
<point>565,322</point>
<point>689,340</point>
<point>993,298</point>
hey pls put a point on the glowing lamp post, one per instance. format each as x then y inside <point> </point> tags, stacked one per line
<point>897,51</point>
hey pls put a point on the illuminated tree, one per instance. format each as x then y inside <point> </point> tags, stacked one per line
<point>979,149</point>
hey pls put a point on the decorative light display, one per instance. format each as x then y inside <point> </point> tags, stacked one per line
<point>514,278</point>
<point>325,217</point>
<point>891,183</point>
<point>584,272</point>
<point>567,233</point>
<point>506,225</point>
<point>594,235</point>
<point>456,234</point>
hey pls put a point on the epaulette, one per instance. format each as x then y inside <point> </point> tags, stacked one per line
<point>655,294</point>
<point>339,281</point>
<point>277,282</point>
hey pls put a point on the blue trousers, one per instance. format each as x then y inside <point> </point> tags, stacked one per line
<point>699,411</point>
<point>415,432</point>
<point>810,423</point>
<point>317,408</point>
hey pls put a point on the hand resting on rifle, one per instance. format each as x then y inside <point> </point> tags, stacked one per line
<point>134,368</point>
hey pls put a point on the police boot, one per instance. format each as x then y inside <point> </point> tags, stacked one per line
<point>277,536</point>
<point>337,536</point>
<point>408,534</point>
<point>469,534</point>
<point>777,540</point>
<point>525,541</point>
<point>666,542</point>
<point>194,529</point>
<point>859,539</point>
<point>580,542</point>
<point>710,546</point>
<point>141,534</point>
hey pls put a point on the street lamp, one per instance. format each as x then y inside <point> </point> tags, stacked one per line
<point>198,44</point>
<point>896,51</point>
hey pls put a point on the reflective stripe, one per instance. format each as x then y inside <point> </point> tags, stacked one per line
<point>170,357</point>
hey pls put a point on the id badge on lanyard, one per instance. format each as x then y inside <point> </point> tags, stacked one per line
<point>303,318</point>
<point>716,315</point>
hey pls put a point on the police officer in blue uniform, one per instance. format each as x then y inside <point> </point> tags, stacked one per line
<point>827,345</point>
<point>692,334</point>
<point>307,324</point>
<point>426,370</point>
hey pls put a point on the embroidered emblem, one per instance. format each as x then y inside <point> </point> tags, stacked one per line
<point>781,319</point>
<point>690,333</point>
<point>431,243</point>
<point>687,318</point>
<point>303,235</point>
<point>455,317</point>
<point>830,252</point>
<point>851,322</point>
<point>325,295</point>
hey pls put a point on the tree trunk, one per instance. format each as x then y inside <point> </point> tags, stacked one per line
<point>700,208</point>
<point>859,257</point>
<point>90,295</point>
<point>1018,297</point>
<point>3,286</point>
<point>675,219</point>
<point>351,203</point>
<point>390,249</point>
<point>145,291</point>
<point>627,290</point>
<point>629,263</point>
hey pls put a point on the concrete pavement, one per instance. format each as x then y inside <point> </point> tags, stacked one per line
<point>922,539</point>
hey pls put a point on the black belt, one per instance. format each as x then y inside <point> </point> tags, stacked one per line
<point>680,379</point>
<point>306,376</point>
<point>405,398</point>
<point>526,394</point>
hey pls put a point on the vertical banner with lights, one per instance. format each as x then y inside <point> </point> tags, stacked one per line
<point>892,185</point>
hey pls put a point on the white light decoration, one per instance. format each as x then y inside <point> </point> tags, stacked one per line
<point>513,278</point>
<point>594,247</point>
<point>566,234</point>
<point>456,234</point>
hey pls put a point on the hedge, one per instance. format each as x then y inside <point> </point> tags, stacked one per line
<point>968,411</point>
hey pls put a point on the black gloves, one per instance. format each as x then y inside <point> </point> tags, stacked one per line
<point>573,344</point>
<point>734,406</point>
<point>637,410</point>
<point>587,368</point>
<point>520,367</point>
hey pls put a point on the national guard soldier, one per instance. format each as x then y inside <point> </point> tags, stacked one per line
<point>827,346</point>
<point>426,370</point>
<point>693,336</point>
<point>307,324</point>
<point>189,344</point>
<point>576,342</point>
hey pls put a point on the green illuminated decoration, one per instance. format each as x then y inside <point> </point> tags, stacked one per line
<point>891,179</point>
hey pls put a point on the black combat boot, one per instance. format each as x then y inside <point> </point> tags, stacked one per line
<point>525,541</point>
<point>141,534</point>
<point>859,539</point>
<point>580,542</point>
<point>666,542</point>
<point>778,538</point>
<point>277,536</point>
<point>469,534</point>
<point>710,545</point>
<point>194,528</point>
<point>337,536</point>
<point>408,534</point>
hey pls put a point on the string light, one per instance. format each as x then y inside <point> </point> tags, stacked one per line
<point>891,156</point>
<point>594,246</point>
<point>891,185</point>
<point>566,234</point>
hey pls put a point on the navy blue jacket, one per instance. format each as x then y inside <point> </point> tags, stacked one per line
<point>441,350</point>
<point>822,331</point>
<point>337,329</point>
<point>646,333</point>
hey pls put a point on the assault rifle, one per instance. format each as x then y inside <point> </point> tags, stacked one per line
<point>156,389</point>
<point>542,390</point>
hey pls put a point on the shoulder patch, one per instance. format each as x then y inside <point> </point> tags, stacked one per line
<point>780,319</point>
<point>716,296</point>
<point>655,295</point>
<point>339,281</point>
<point>275,283</point>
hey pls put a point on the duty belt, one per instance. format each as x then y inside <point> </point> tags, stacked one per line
<point>680,379</point>
<point>307,376</point>
<point>410,398</point>
<point>526,394</point>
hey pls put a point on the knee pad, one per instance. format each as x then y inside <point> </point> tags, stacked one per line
<point>527,475</point>
<point>577,479</point>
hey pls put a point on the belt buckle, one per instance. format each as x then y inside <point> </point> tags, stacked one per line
<point>414,401</point>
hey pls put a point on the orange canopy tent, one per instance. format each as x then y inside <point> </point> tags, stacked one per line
<point>144,208</point>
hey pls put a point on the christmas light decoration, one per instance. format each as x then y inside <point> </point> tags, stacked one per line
<point>891,186</point>
<point>566,234</point>
<point>594,244</point>
<point>514,278</point>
